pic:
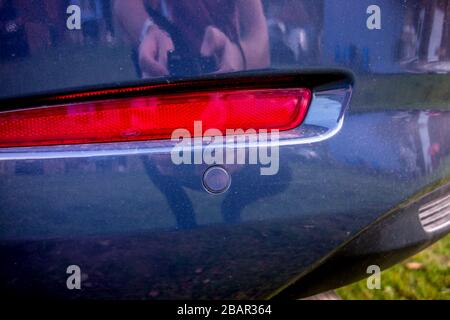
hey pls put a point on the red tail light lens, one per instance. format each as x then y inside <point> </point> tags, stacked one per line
<point>156,117</point>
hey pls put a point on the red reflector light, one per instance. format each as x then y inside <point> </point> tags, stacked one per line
<point>146,118</point>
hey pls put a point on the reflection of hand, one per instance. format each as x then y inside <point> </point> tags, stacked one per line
<point>217,44</point>
<point>153,53</point>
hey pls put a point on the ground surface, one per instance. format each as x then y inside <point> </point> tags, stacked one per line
<point>424,276</point>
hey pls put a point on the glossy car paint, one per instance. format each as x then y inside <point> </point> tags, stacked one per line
<point>141,227</point>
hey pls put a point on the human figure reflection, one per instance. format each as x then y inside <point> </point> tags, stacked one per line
<point>295,28</point>
<point>247,186</point>
<point>174,37</point>
<point>188,38</point>
<point>159,169</point>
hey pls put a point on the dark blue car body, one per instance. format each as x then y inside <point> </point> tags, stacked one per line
<point>354,180</point>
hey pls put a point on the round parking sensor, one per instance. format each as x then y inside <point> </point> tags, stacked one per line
<point>216,180</point>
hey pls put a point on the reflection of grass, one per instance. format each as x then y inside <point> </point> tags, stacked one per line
<point>424,276</point>
<point>71,67</point>
<point>400,92</point>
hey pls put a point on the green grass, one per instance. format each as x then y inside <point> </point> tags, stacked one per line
<point>428,279</point>
<point>400,92</point>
